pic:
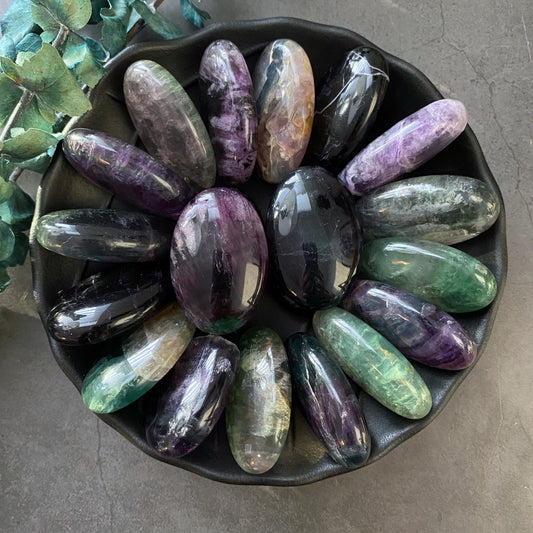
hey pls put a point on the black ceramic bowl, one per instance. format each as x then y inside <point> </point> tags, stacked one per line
<point>303,460</point>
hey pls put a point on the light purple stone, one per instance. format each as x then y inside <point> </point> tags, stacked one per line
<point>127,171</point>
<point>219,260</point>
<point>417,328</point>
<point>404,147</point>
<point>232,120</point>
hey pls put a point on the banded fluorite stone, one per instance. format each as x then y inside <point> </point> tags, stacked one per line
<point>346,106</point>
<point>168,122</point>
<point>328,401</point>
<point>444,276</point>
<point>417,328</point>
<point>314,238</point>
<point>104,235</point>
<point>195,397</point>
<point>231,116</point>
<point>259,406</point>
<point>146,355</point>
<point>127,171</point>
<point>443,208</point>
<point>106,304</point>
<point>285,98</point>
<point>372,362</point>
<point>219,260</point>
<point>404,147</point>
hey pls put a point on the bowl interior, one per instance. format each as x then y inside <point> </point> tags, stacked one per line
<point>304,459</point>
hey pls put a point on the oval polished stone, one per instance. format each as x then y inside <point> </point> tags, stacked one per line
<point>147,354</point>
<point>445,209</point>
<point>168,123</point>
<point>444,276</point>
<point>373,363</point>
<point>219,260</point>
<point>404,147</point>
<point>259,406</point>
<point>232,120</point>
<point>127,171</point>
<point>194,400</point>
<point>104,235</point>
<point>285,98</point>
<point>314,238</point>
<point>328,401</point>
<point>346,105</point>
<point>417,328</point>
<point>106,304</point>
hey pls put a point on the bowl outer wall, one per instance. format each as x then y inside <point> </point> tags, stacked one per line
<point>304,459</point>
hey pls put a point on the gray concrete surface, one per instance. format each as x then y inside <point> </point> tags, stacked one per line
<point>469,471</point>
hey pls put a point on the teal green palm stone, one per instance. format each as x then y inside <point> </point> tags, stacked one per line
<point>148,353</point>
<point>372,362</point>
<point>259,406</point>
<point>444,276</point>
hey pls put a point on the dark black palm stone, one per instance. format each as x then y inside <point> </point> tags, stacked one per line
<point>304,459</point>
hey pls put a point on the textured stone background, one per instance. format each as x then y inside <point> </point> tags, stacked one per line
<point>471,470</point>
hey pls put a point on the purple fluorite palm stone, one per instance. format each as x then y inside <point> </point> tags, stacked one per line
<point>127,171</point>
<point>219,260</point>
<point>232,120</point>
<point>191,406</point>
<point>328,401</point>
<point>417,328</point>
<point>404,147</point>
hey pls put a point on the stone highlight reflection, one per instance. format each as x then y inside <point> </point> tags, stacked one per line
<point>328,401</point>
<point>147,354</point>
<point>259,406</point>
<point>372,362</point>
<point>285,98</point>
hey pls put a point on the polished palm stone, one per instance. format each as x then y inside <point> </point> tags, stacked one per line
<point>346,106</point>
<point>219,260</point>
<point>195,397</point>
<point>145,356</point>
<point>285,97</point>
<point>417,328</point>
<point>7,240</point>
<point>106,304</point>
<point>444,276</point>
<point>168,123</point>
<point>231,116</point>
<point>445,209</point>
<point>104,235</point>
<point>259,406</point>
<point>372,362</point>
<point>328,401</point>
<point>127,171</point>
<point>314,238</point>
<point>404,147</point>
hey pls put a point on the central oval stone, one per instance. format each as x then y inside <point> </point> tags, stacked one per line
<point>314,238</point>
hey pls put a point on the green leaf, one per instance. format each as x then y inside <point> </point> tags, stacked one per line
<point>96,6</point>
<point>5,280</point>
<point>46,75</point>
<point>193,13</point>
<point>115,25</point>
<point>37,164</point>
<point>20,251</point>
<point>31,43</point>
<point>6,168</point>
<point>78,55</point>
<point>17,21</point>
<point>18,210</point>
<point>156,21</point>
<point>6,189</point>
<point>7,48</point>
<point>28,144</point>
<point>51,14</point>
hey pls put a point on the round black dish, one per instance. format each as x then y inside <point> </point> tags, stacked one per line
<point>304,460</point>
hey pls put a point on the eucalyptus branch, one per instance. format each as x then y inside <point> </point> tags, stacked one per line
<point>61,36</point>
<point>25,99</point>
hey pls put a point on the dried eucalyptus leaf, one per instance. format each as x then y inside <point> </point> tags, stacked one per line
<point>115,25</point>
<point>29,144</point>
<point>51,14</point>
<point>17,21</point>
<point>193,13</point>
<point>157,22</point>
<point>78,55</point>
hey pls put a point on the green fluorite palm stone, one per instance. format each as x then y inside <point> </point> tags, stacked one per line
<point>259,406</point>
<point>148,353</point>
<point>444,276</point>
<point>372,362</point>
